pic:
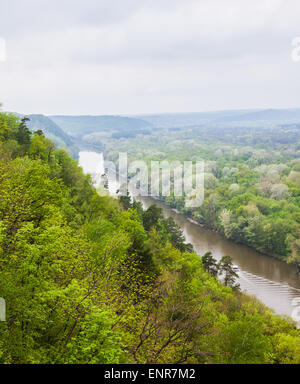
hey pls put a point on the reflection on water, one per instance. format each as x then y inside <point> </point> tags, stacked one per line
<point>274,282</point>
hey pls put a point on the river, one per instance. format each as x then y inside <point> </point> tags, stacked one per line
<point>274,282</point>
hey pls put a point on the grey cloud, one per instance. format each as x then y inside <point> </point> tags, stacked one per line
<point>141,55</point>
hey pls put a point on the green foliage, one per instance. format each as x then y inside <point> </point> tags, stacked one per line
<point>226,267</point>
<point>251,175</point>
<point>89,279</point>
<point>210,264</point>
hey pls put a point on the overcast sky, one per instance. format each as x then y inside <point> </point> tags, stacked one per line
<point>147,56</point>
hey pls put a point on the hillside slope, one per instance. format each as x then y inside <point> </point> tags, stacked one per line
<point>52,131</point>
<point>89,279</point>
<point>79,126</point>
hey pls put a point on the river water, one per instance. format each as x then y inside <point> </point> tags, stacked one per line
<point>274,282</point>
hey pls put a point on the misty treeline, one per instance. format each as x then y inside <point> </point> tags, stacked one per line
<point>251,179</point>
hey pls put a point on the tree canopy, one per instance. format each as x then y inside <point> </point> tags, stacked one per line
<point>91,279</point>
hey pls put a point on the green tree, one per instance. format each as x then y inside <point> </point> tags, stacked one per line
<point>226,267</point>
<point>23,134</point>
<point>210,264</point>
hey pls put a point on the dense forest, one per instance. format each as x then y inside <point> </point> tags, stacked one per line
<point>92,279</point>
<point>252,174</point>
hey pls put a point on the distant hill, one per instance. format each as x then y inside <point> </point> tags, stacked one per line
<point>53,132</point>
<point>50,129</point>
<point>91,132</point>
<point>78,126</point>
<point>265,116</point>
<point>171,120</point>
<point>277,116</point>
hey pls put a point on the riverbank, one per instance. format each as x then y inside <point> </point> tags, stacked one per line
<point>272,281</point>
<point>207,227</point>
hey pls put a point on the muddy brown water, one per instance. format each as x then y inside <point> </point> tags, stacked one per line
<point>274,282</point>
